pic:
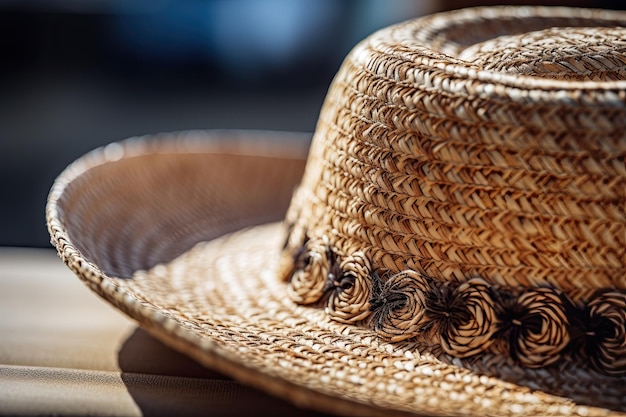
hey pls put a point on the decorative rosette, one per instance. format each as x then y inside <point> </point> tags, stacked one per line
<point>534,326</point>
<point>351,289</point>
<point>309,280</point>
<point>604,336</point>
<point>537,327</point>
<point>399,305</point>
<point>465,317</point>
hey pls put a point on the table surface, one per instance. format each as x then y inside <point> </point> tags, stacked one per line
<point>64,351</point>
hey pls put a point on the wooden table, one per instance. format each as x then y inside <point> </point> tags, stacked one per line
<point>64,351</point>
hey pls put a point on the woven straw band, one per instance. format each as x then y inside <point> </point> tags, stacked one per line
<point>466,186</point>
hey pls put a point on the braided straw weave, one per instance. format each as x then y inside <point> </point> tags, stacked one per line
<point>467,187</point>
<point>461,220</point>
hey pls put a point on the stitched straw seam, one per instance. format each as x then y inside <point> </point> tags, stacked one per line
<point>338,151</point>
<point>422,72</point>
<point>416,54</point>
<point>604,146</point>
<point>580,140</point>
<point>443,127</point>
<point>410,140</point>
<point>338,225</point>
<point>396,251</point>
<point>420,150</point>
<point>543,173</point>
<point>423,150</point>
<point>429,225</point>
<point>370,192</point>
<point>556,222</point>
<point>480,177</point>
<point>362,201</point>
<point>609,226</point>
<point>587,258</point>
<point>481,230</point>
<point>408,183</point>
<point>468,29</point>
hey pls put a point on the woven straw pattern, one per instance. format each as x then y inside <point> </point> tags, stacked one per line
<point>480,209</point>
<point>465,148</point>
<point>256,316</point>
<point>177,217</point>
<point>555,53</point>
<point>221,303</point>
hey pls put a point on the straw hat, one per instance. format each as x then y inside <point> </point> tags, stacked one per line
<point>456,244</point>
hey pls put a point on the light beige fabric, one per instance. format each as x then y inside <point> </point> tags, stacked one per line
<point>64,351</point>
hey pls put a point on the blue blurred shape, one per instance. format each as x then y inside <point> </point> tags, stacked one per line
<point>243,37</point>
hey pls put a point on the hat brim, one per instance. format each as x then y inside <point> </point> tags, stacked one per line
<point>181,232</point>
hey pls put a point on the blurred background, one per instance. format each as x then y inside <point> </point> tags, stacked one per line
<point>78,74</point>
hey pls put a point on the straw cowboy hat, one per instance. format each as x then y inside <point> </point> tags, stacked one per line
<point>454,245</point>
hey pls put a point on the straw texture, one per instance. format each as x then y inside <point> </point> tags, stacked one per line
<point>455,247</point>
<point>220,301</point>
<point>467,186</point>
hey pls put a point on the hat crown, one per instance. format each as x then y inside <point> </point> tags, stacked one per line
<point>476,202</point>
<point>565,53</point>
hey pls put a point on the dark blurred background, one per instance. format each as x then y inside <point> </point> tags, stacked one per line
<point>78,74</point>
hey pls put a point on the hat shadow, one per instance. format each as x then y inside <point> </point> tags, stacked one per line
<point>163,382</point>
<point>583,378</point>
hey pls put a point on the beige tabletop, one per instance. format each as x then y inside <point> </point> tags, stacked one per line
<point>64,351</point>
